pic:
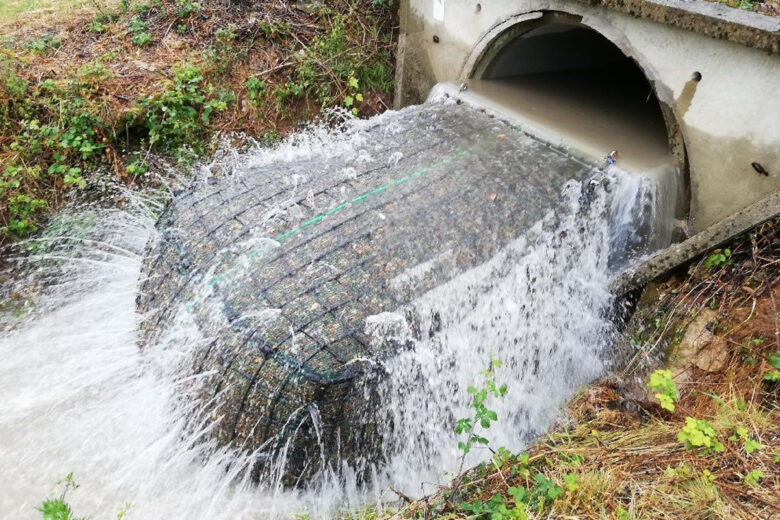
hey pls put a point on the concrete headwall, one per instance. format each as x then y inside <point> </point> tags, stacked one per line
<point>729,120</point>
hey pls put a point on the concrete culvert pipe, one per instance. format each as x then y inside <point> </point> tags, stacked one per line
<point>282,279</point>
<point>577,88</point>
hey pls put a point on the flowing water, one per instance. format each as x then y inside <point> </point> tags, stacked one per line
<point>80,396</point>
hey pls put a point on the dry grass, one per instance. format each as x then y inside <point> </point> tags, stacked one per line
<point>623,449</point>
<point>43,13</point>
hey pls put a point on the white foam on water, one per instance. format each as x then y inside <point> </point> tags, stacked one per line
<point>80,396</point>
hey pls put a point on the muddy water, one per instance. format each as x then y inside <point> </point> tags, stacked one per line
<point>592,111</point>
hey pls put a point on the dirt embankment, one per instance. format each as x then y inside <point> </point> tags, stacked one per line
<point>117,84</point>
<point>702,443</point>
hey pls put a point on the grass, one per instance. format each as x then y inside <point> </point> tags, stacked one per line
<point>622,455</point>
<point>42,12</point>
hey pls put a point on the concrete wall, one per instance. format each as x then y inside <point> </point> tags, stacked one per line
<point>728,120</point>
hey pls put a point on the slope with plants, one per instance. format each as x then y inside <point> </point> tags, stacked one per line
<point>688,429</point>
<point>104,91</point>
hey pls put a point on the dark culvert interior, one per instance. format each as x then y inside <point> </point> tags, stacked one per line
<point>576,87</point>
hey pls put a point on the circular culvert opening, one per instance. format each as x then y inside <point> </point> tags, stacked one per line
<point>568,80</point>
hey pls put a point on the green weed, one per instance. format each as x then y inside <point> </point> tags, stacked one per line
<point>773,375</point>
<point>187,8</point>
<point>753,476</point>
<point>662,383</point>
<point>256,89</point>
<point>140,31</point>
<point>700,434</point>
<point>482,416</point>
<point>57,508</point>
<point>179,115</point>
<point>718,258</point>
<point>45,44</point>
<point>273,30</point>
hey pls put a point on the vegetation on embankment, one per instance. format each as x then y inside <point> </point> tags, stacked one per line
<point>688,429</point>
<point>122,83</point>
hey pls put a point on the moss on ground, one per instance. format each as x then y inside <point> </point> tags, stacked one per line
<point>114,83</point>
<point>621,455</point>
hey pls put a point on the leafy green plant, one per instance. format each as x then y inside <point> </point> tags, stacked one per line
<point>273,30</point>
<point>99,24</point>
<point>137,167</point>
<point>482,416</point>
<point>773,375</point>
<point>219,103</point>
<point>56,132</point>
<point>753,476</point>
<point>539,495</point>
<point>224,53</point>
<point>256,89</point>
<point>288,90</point>
<point>140,31</point>
<point>501,457</point>
<point>354,95</point>
<point>96,26</point>
<point>93,72</point>
<point>662,383</point>
<point>468,429</point>
<point>335,66</point>
<point>572,482</point>
<point>270,138</point>
<point>172,116</point>
<point>187,8</point>
<point>495,508</point>
<point>45,43</point>
<point>225,35</point>
<point>682,471</point>
<point>22,209</point>
<point>57,508</point>
<point>741,434</point>
<point>700,434</point>
<point>718,258</point>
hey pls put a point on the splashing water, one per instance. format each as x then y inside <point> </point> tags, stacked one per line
<point>81,397</point>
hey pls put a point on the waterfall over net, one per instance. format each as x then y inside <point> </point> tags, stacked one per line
<point>527,284</point>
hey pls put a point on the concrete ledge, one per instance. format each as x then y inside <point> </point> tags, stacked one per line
<point>715,20</point>
<point>710,238</point>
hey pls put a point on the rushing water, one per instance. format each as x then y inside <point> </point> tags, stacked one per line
<point>79,396</point>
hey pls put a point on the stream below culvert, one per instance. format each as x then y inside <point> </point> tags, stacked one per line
<point>313,319</point>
